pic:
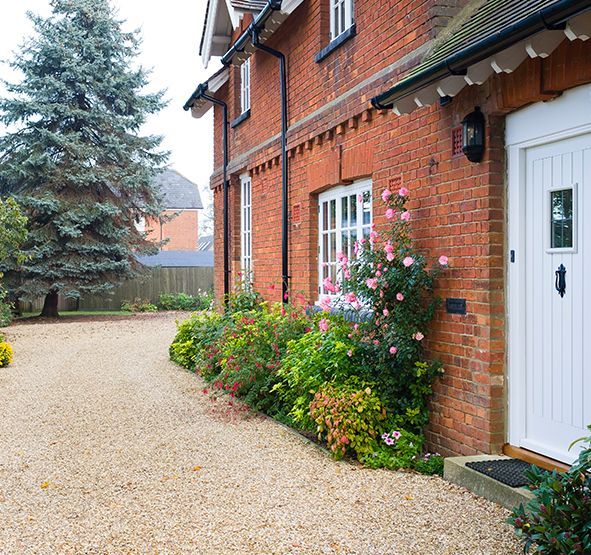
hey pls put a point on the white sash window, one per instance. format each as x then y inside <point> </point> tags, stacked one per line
<point>341,17</point>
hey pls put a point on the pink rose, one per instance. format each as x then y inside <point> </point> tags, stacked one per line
<point>390,256</point>
<point>399,297</point>
<point>372,283</point>
<point>323,325</point>
<point>403,191</point>
<point>378,273</point>
<point>349,353</point>
<point>329,285</point>
<point>389,247</point>
<point>386,194</point>
<point>356,247</point>
<point>386,312</point>
<point>376,342</point>
<point>325,304</point>
<point>350,297</point>
<point>390,213</point>
<point>408,261</point>
<point>443,260</point>
<point>418,336</point>
<point>393,350</point>
<point>405,216</point>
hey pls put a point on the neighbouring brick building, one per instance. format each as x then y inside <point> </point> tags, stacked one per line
<point>178,224</point>
<point>377,91</point>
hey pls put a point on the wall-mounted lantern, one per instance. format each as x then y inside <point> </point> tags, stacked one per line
<point>473,135</point>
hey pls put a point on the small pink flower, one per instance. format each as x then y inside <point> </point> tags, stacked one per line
<point>356,305</point>
<point>405,216</point>
<point>359,198</point>
<point>372,283</point>
<point>393,350</point>
<point>329,285</point>
<point>349,353</point>
<point>386,312</point>
<point>389,441</point>
<point>390,213</point>
<point>403,191</point>
<point>373,235</point>
<point>350,297</point>
<point>325,304</point>
<point>356,247</point>
<point>396,434</point>
<point>389,247</point>
<point>443,260</point>
<point>323,325</point>
<point>378,273</point>
<point>386,194</point>
<point>418,336</point>
<point>408,261</point>
<point>347,273</point>
<point>390,256</point>
<point>376,342</point>
<point>399,297</point>
<point>356,327</point>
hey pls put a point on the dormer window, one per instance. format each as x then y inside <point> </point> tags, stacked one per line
<point>341,17</point>
<point>245,86</point>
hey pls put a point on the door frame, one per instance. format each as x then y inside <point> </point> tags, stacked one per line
<point>541,123</point>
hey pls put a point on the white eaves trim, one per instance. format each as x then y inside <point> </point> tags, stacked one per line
<point>201,106</point>
<point>540,45</point>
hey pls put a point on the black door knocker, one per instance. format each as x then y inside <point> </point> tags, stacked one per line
<point>560,283</point>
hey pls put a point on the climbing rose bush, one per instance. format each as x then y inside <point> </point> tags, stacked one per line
<point>388,276</point>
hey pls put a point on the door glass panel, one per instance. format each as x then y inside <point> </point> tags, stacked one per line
<point>333,214</point>
<point>344,213</point>
<point>325,216</point>
<point>366,208</point>
<point>561,219</point>
<point>353,210</point>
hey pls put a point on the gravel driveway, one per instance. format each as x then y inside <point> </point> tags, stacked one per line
<point>107,447</point>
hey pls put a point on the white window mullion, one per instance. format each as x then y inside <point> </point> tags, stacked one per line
<point>246,226</point>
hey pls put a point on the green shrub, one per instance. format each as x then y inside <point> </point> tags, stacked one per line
<point>348,417</point>
<point>558,519</point>
<point>183,301</point>
<point>311,360</point>
<point>252,351</point>
<point>138,305</point>
<point>5,353</point>
<point>429,464</point>
<point>243,299</point>
<point>195,336</point>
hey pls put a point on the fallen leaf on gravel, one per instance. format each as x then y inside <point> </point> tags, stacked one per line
<point>44,485</point>
<point>197,469</point>
<point>408,497</point>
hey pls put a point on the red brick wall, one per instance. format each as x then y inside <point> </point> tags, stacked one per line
<point>458,207</point>
<point>181,231</point>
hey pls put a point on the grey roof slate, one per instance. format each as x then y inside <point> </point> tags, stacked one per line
<point>178,259</point>
<point>179,193</point>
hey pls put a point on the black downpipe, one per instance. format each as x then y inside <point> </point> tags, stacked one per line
<point>547,18</point>
<point>226,224</point>
<point>284,168</point>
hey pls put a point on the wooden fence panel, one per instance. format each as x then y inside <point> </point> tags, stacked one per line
<point>159,280</point>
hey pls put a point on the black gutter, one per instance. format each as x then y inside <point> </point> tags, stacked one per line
<point>550,17</point>
<point>284,167</point>
<point>200,93</point>
<point>257,24</point>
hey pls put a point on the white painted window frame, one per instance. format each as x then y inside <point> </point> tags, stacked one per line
<point>245,86</point>
<point>336,194</point>
<point>341,17</point>
<point>246,264</point>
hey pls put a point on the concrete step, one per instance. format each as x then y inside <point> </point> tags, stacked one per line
<point>456,471</point>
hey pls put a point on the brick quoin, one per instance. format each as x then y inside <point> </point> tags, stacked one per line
<point>335,137</point>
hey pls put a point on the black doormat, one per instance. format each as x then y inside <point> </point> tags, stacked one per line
<point>507,471</point>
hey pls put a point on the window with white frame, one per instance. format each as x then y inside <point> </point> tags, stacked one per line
<point>344,217</point>
<point>246,226</point>
<point>341,17</point>
<point>245,86</point>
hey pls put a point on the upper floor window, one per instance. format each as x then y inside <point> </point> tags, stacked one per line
<point>245,86</point>
<point>344,217</point>
<point>246,226</point>
<point>341,17</point>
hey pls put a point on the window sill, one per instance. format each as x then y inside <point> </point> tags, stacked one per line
<point>242,117</point>
<point>336,43</point>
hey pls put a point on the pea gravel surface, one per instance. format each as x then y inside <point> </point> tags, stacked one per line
<point>106,447</point>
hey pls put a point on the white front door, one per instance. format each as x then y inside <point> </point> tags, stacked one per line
<point>557,299</point>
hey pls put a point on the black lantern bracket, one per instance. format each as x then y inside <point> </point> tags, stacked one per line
<point>473,135</point>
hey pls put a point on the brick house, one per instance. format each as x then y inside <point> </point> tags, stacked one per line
<point>179,223</point>
<point>377,95</point>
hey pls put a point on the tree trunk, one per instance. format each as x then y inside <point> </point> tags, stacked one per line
<point>50,305</point>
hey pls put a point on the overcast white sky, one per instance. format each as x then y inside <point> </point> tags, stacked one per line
<point>171,32</point>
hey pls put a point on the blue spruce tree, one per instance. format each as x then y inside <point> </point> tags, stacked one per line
<point>74,157</point>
